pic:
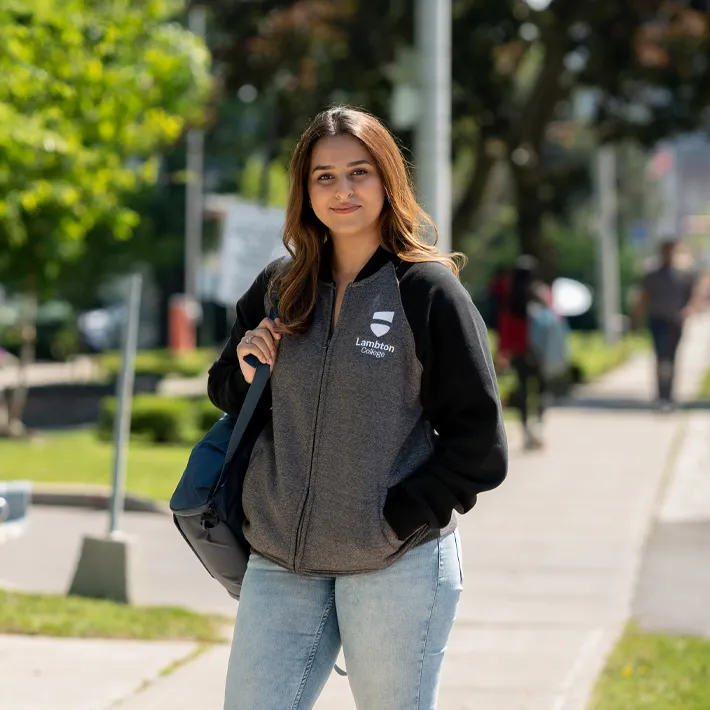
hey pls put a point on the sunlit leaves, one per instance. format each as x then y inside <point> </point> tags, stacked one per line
<point>91,91</point>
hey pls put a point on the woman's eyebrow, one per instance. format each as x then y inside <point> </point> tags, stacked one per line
<point>349,165</point>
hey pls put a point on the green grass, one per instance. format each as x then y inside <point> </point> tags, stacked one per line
<point>655,672</point>
<point>590,352</point>
<point>77,617</point>
<point>79,457</point>
<point>705,386</point>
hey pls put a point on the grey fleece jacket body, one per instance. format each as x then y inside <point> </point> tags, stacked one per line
<point>380,427</point>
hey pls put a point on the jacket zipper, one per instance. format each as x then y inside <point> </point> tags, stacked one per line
<point>331,330</point>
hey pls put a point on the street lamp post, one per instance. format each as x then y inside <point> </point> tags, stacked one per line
<point>433,134</point>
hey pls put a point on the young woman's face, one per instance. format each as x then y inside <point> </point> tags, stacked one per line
<point>344,186</point>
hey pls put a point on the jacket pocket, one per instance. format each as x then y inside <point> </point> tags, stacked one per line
<point>387,532</point>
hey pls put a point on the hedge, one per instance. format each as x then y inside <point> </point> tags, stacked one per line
<point>162,362</point>
<point>163,420</point>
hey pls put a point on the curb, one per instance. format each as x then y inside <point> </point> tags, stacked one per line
<point>94,497</point>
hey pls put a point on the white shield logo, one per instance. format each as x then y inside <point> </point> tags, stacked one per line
<point>380,329</point>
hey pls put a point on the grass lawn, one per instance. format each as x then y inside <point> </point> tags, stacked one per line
<point>77,617</point>
<point>655,672</point>
<point>705,386</point>
<point>79,457</point>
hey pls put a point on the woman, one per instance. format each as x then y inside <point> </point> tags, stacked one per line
<point>515,347</point>
<point>385,420</point>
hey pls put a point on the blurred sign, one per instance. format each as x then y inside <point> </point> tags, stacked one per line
<point>251,238</point>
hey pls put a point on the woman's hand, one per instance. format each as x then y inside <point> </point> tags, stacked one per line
<point>262,342</point>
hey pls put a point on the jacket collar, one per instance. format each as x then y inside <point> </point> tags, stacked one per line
<point>376,262</point>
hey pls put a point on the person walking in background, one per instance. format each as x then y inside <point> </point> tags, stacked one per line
<point>666,298</point>
<point>385,419</point>
<point>515,347</point>
<point>497,292</point>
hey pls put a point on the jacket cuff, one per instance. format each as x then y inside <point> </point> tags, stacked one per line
<point>403,513</point>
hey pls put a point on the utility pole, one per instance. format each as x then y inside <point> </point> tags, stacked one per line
<point>124,398</point>
<point>608,245</point>
<point>194,189</point>
<point>433,132</point>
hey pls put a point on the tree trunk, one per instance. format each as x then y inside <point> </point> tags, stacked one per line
<point>470,201</point>
<point>531,212</point>
<point>529,222</point>
<point>14,426</point>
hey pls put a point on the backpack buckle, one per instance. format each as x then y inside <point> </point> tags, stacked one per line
<point>209,519</point>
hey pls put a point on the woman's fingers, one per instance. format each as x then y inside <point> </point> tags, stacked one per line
<point>262,342</point>
<point>271,326</point>
<point>255,344</point>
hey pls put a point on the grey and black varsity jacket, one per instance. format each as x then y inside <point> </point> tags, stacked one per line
<point>380,429</point>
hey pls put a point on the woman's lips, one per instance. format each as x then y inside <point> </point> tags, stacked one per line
<point>345,210</point>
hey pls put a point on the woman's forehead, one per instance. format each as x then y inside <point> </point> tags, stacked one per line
<point>338,151</point>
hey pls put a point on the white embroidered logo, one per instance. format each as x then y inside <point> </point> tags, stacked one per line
<point>380,329</point>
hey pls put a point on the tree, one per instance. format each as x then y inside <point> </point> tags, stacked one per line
<point>516,72</point>
<point>638,60</point>
<point>91,92</point>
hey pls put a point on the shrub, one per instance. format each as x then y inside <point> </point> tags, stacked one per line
<point>206,414</point>
<point>162,362</point>
<point>163,420</point>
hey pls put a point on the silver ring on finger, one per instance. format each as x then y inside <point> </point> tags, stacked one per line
<point>247,339</point>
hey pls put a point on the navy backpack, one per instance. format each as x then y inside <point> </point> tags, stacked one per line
<point>207,503</point>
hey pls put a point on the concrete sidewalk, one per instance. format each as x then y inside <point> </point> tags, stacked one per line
<point>551,560</point>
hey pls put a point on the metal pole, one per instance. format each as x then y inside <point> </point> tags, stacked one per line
<point>193,197</point>
<point>124,395</point>
<point>433,134</point>
<point>608,247</point>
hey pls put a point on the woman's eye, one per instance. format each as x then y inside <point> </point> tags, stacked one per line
<point>324,177</point>
<point>360,171</point>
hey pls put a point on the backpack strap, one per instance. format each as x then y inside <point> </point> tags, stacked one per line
<point>256,389</point>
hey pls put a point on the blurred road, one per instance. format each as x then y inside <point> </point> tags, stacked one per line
<point>81,369</point>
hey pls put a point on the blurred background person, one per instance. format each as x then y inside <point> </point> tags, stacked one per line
<point>515,346</point>
<point>667,296</point>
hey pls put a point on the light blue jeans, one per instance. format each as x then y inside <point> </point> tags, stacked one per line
<point>393,626</point>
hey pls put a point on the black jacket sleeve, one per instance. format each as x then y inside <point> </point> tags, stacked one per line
<point>226,386</point>
<point>459,395</point>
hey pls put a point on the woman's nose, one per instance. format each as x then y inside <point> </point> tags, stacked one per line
<point>344,188</point>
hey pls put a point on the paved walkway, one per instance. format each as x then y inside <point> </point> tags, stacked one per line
<point>551,561</point>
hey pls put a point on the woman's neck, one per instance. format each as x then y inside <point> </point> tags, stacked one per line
<point>350,255</point>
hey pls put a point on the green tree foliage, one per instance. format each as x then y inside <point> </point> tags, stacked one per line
<point>91,91</point>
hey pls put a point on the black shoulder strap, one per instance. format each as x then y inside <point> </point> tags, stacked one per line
<point>256,389</point>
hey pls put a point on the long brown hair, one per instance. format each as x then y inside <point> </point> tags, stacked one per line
<point>403,221</point>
